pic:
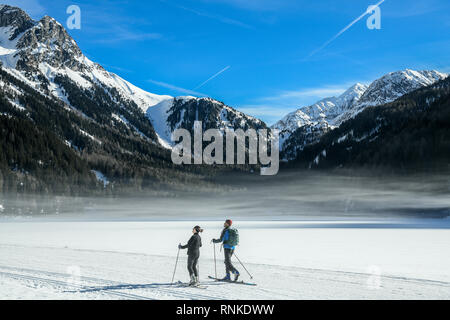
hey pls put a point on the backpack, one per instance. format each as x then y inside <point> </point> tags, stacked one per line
<point>233,237</point>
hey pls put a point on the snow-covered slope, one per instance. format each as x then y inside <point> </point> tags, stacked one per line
<point>181,112</point>
<point>44,48</point>
<point>390,87</point>
<point>321,114</point>
<point>343,260</point>
<point>410,132</point>
<point>37,52</point>
<point>41,53</point>
<point>158,116</point>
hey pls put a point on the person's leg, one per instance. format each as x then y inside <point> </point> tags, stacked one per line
<point>191,269</point>
<point>190,265</point>
<point>233,269</point>
<point>227,253</point>
<point>230,266</point>
<point>195,265</point>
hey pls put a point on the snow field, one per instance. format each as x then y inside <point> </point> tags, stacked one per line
<point>289,260</point>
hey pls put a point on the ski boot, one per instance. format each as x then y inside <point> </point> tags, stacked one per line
<point>193,281</point>
<point>227,278</point>
<point>236,275</point>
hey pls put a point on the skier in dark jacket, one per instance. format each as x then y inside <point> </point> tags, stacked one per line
<point>228,250</point>
<point>193,246</point>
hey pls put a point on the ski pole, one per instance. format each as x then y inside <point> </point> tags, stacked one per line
<point>176,263</point>
<point>215,264</point>
<point>251,277</point>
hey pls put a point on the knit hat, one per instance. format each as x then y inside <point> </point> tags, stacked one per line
<point>229,222</point>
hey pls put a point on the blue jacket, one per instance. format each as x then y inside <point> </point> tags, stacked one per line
<point>223,238</point>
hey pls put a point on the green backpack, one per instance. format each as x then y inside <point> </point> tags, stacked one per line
<point>233,237</point>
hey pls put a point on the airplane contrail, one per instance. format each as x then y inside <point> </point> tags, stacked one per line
<point>343,30</point>
<point>218,73</point>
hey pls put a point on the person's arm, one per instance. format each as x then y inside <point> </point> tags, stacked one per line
<point>187,245</point>
<point>222,235</point>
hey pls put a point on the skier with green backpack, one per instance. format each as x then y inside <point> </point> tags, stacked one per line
<point>230,239</point>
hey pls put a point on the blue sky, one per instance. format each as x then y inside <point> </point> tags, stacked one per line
<point>255,55</point>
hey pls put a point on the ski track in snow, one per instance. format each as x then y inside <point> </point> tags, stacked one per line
<point>38,273</point>
<point>59,285</point>
<point>97,287</point>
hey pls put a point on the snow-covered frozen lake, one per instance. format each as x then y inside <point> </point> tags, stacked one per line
<point>326,259</point>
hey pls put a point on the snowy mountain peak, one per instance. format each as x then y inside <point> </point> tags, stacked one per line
<point>323,110</point>
<point>16,19</point>
<point>315,120</point>
<point>182,112</point>
<point>43,55</point>
<point>47,41</point>
<point>335,110</point>
<point>396,84</point>
<point>30,42</point>
<point>44,49</point>
<point>350,97</point>
<point>355,91</point>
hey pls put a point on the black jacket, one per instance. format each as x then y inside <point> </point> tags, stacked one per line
<point>193,245</point>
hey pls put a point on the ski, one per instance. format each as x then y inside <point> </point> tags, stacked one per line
<point>180,284</point>
<point>235,282</point>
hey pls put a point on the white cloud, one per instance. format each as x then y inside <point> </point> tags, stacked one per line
<point>256,5</point>
<point>119,34</point>
<point>273,108</point>
<point>343,30</point>
<point>320,93</point>
<point>416,8</point>
<point>265,110</point>
<point>269,113</point>
<point>212,77</point>
<point>226,20</point>
<point>176,88</point>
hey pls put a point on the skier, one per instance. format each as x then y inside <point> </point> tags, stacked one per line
<point>230,239</point>
<point>193,246</point>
